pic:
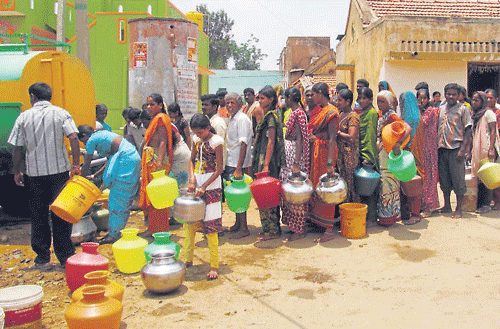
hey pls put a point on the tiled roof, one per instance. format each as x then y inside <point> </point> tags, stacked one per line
<point>437,8</point>
<point>305,81</point>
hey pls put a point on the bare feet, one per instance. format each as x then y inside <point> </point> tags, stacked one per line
<point>213,274</point>
<point>239,235</point>
<point>267,237</point>
<point>457,214</point>
<point>413,220</point>
<point>234,228</point>
<point>444,210</point>
<point>296,236</point>
<point>327,236</point>
<point>189,264</point>
<point>426,214</point>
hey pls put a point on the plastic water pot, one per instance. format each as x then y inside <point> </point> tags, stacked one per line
<point>162,242</point>
<point>162,190</point>
<point>402,166</point>
<point>489,174</point>
<point>266,190</point>
<point>113,289</point>
<point>238,195</point>
<point>88,260</point>
<point>129,251</point>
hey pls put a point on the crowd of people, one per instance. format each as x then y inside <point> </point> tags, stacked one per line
<point>315,131</point>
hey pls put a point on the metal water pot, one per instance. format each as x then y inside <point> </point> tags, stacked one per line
<point>188,209</point>
<point>297,189</point>
<point>84,230</point>
<point>331,190</point>
<point>164,273</point>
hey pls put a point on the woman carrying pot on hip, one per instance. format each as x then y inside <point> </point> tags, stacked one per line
<point>121,175</point>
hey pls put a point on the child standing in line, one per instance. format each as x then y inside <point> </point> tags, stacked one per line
<point>205,169</point>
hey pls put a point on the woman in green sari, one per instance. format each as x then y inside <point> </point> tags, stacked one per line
<point>368,152</point>
<point>269,155</point>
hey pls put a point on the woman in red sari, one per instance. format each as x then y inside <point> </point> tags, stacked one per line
<point>156,155</point>
<point>323,127</point>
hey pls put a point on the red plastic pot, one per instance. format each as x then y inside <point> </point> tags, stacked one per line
<point>266,190</point>
<point>86,261</point>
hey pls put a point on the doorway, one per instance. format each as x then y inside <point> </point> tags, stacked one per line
<point>482,76</point>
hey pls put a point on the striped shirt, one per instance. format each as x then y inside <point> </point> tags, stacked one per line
<point>41,131</point>
<point>452,124</point>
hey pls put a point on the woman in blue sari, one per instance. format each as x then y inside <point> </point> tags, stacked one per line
<point>121,175</point>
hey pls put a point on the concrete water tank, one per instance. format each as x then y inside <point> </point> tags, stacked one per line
<point>163,58</point>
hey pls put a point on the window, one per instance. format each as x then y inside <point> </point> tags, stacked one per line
<point>32,4</point>
<point>120,9</point>
<point>150,9</point>
<point>122,30</point>
<point>55,8</point>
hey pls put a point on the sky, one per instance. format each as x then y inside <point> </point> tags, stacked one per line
<point>273,21</point>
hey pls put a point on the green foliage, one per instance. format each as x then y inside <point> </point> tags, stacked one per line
<point>247,56</point>
<point>218,26</point>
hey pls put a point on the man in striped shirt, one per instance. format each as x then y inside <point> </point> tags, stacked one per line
<point>41,130</point>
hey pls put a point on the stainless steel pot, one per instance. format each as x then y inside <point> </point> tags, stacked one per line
<point>331,190</point>
<point>297,189</point>
<point>164,273</point>
<point>84,230</point>
<point>100,216</point>
<point>188,209</point>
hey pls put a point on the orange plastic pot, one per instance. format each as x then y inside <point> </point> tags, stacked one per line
<point>94,311</point>
<point>113,289</point>
<point>391,134</point>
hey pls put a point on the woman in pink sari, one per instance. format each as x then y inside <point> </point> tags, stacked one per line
<point>425,151</point>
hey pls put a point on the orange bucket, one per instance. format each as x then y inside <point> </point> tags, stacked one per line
<point>75,199</point>
<point>353,220</point>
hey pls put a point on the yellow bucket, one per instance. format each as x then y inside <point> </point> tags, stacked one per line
<point>353,220</point>
<point>75,199</point>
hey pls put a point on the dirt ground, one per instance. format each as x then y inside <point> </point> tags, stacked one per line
<point>440,273</point>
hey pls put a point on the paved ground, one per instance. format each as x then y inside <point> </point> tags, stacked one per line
<point>440,273</point>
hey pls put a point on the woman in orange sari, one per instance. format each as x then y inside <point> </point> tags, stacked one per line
<point>323,127</point>
<point>156,155</point>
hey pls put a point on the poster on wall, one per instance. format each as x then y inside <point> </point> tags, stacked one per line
<point>192,54</point>
<point>140,54</point>
<point>187,85</point>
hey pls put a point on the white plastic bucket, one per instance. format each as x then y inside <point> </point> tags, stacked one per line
<point>2,318</point>
<point>22,306</point>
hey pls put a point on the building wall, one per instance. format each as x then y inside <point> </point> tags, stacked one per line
<point>300,50</point>
<point>391,49</point>
<point>404,75</point>
<point>237,80</point>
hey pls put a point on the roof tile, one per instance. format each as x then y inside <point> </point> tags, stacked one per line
<point>437,8</point>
